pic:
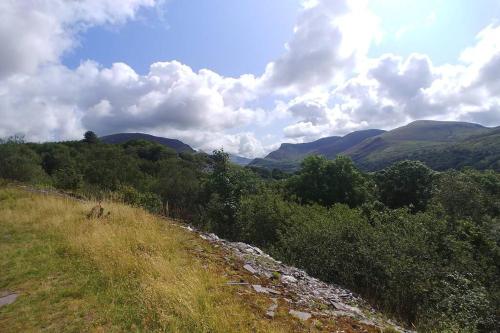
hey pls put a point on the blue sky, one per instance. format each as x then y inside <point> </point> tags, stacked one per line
<point>238,37</point>
<point>229,37</point>
<point>245,75</point>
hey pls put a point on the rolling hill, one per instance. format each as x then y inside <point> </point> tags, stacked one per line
<point>288,156</point>
<point>441,145</point>
<point>118,138</point>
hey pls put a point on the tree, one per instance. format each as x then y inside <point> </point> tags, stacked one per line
<point>224,189</point>
<point>327,182</point>
<point>90,137</point>
<point>19,162</point>
<point>406,183</point>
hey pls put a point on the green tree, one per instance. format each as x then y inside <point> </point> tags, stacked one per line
<point>224,188</point>
<point>178,185</point>
<point>19,162</point>
<point>405,183</point>
<point>90,137</point>
<point>328,182</point>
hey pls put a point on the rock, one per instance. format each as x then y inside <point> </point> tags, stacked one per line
<point>250,268</point>
<point>300,315</point>
<point>8,299</point>
<point>288,279</point>
<point>258,288</point>
<point>346,308</point>
<point>272,309</point>
<point>272,291</point>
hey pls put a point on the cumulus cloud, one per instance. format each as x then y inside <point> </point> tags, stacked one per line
<point>34,32</point>
<point>392,91</point>
<point>45,100</point>
<point>170,97</point>
<point>328,39</point>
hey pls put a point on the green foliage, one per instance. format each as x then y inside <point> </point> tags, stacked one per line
<point>90,137</point>
<point>149,150</point>
<point>223,191</point>
<point>327,182</point>
<point>468,194</point>
<point>400,261</point>
<point>19,162</point>
<point>67,178</point>
<point>406,183</point>
<point>150,201</point>
<point>178,185</point>
<point>262,217</point>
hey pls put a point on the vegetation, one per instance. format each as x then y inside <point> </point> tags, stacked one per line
<point>422,245</point>
<point>130,272</point>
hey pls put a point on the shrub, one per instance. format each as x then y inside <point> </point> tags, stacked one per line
<point>405,183</point>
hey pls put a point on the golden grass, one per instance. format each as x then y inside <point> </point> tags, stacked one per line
<point>128,272</point>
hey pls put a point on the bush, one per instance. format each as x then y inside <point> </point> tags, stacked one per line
<point>328,182</point>
<point>262,217</point>
<point>405,183</point>
<point>20,163</point>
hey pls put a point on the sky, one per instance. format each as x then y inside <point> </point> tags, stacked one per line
<point>244,75</point>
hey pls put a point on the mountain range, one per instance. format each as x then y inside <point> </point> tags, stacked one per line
<point>440,144</point>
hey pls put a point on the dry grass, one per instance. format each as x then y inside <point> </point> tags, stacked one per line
<point>128,272</point>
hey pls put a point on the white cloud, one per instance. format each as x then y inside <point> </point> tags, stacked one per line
<point>392,91</point>
<point>326,83</point>
<point>328,39</point>
<point>37,32</point>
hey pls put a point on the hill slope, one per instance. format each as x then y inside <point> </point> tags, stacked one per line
<point>441,145</point>
<point>427,141</point>
<point>288,156</point>
<point>131,271</point>
<point>239,160</point>
<point>118,138</point>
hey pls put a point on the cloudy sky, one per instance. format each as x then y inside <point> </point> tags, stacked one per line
<point>245,75</point>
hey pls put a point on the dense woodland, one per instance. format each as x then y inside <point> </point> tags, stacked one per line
<point>424,246</point>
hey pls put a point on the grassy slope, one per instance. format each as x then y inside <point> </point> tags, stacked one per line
<point>129,272</point>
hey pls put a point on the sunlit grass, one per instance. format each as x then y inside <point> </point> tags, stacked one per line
<point>128,272</point>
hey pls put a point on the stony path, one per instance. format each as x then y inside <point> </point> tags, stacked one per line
<point>306,296</point>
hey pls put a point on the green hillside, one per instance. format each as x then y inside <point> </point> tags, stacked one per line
<point>120,138</point>
<point>289,156</point>
<point>441,145</point>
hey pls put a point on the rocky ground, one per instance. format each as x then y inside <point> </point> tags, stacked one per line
<point>305,297</point>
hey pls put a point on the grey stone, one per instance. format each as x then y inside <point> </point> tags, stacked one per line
<point>300,315</point>
<point>258,288</point>
<point>288,279</point>
<point>250,268</point>
<point>8,299</point>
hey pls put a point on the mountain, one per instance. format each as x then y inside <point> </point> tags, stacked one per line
<point>288,156</point>
<point>420,140</point>
<point>239,160</point>
<point>440,144</point>
<point>118,138</point>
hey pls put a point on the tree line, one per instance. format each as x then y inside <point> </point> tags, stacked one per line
<point>421,245</point>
